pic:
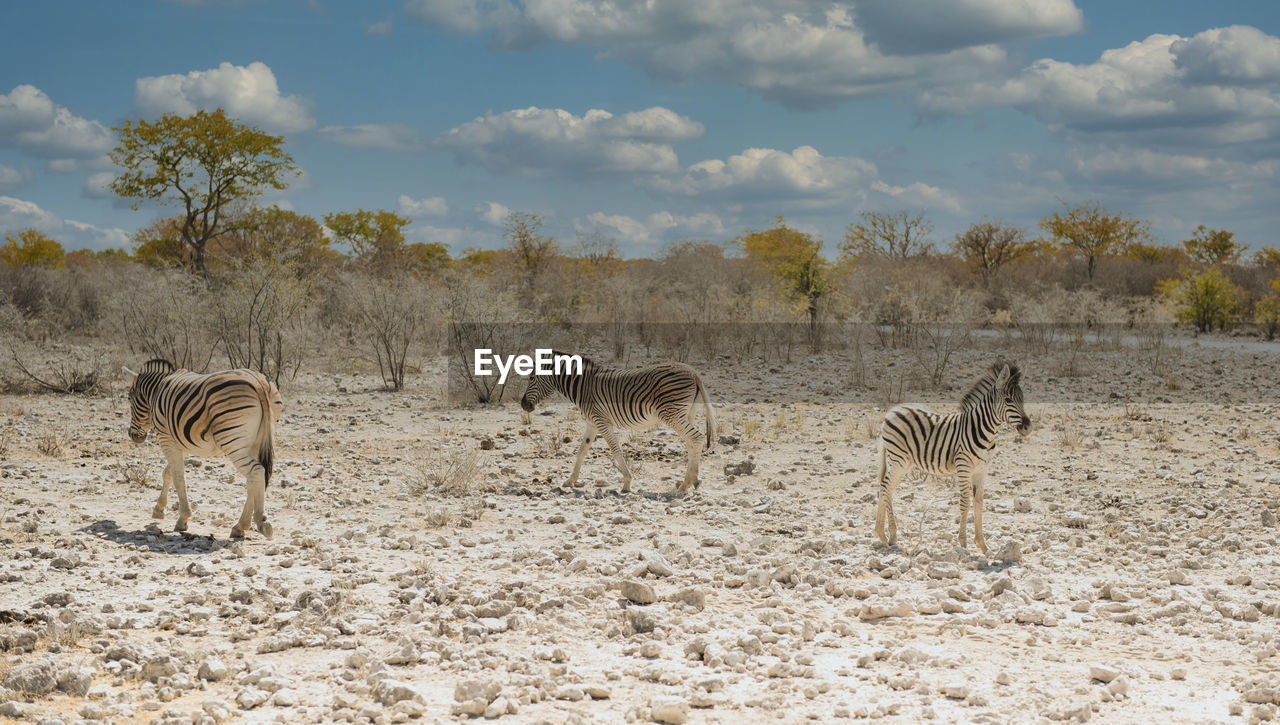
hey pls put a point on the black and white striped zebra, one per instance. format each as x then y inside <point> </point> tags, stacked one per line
<point>958,444</point>
<point>230,413</point>
<point>633,400</point>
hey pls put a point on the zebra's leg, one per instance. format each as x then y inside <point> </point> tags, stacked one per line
<point>587,437</point>
<point>894,474</point>
<point>166,479</point>
<point>978,477</point>
<point>177,461</point>
<point>693,440</point>
<point>612,439</point>
<point>242,526</point>
<point>964,486</point>
<point>256,480</point>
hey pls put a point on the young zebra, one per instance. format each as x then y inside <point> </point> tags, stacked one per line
<point>958,444</point>
<point>633,400</point>
<point>230,413</point>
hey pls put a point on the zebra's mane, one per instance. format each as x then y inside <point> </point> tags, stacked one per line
<point>158,365</point>
<point>979,391</point>
<point>587,363</point>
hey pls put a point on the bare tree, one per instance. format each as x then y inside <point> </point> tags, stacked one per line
<point>532,251</point>
<point>897,236</point>
<point>989,245</point>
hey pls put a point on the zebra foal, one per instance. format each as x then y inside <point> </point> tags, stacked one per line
<point>958,444</point>
<point>632,400</point>
<point>230,413</point>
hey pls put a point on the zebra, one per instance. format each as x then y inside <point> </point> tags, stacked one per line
<point>633,400</point>
<point>231,413</point>
<point>958,444</point>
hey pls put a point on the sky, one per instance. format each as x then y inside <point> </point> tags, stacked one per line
<point>664,120</point>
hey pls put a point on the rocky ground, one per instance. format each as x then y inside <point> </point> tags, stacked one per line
<point>427,567</point>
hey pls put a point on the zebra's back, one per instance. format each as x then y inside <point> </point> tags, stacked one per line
<point>929,440</point>
<point>218,413</point>
<point>641,398</point>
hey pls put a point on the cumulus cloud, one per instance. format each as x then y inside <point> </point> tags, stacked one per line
<point>535,141</point>
<point>16,214</point>
<point>654,229</point>
<point>96,186</point>
<point>32,123</point>
<point>249,93</point>
<point>382,27</point>
<point>759,173</point>
<point>416,208</point>
<point>920,195</point>
<point>390,136</point>
<point>804,53</point>
<point>1215,88</point>
<point>11,178</point>
<point>492,212</point>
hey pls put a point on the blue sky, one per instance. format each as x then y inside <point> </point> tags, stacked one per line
<point>664,120</point>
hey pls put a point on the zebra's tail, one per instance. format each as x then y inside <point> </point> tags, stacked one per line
<point>272,405</point>
<point>711,417</point>
<point>880,473</point>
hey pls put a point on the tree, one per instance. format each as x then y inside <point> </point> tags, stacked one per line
<point>1153,253</point>
<point>280,234</point>
<point>32,248</point>
<point>896,236</point>
<point>375,237</point>
<point>597,255</point>
<point>203,163</point>
<point>159,245</point>
<point>1205,298</point>
<point>1267,257</point>
<point>89,257</point>
<point>1094,233</point>
<point>794,259</point>
<point>1266,313</point>
<point>428,259</point>
<point>989,245</point>
<point>1213,246</point>
<point>530,249</point>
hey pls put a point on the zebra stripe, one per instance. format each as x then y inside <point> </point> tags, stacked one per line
<point>958,444</point>
<point>632,400</point>
<point>230,413</point>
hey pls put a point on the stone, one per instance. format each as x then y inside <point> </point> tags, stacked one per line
<point>1103,673</point>
<point>637,591</point>
<point>669,709</point>
<point>389,692</point>
<point>212,669</point>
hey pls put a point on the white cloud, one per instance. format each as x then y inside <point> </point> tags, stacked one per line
<point>390,136</point>
<point>758,173</point>
<point>920,195</point>
<point>655,228</point>
<point>382,27</point>
<point>31,122</point>
<point>249,93</point>
<point>1166,92</point>
<point>416,208</point>
<point>17,214</point>
<point>11,178</point>
<point>535,141</point>
<point>492,212</point>
<point>96,186</point>
<point>804,53</point>
<point>927,26</point>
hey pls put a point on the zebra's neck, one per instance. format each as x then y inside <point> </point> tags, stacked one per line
<point>983,421</point>
<point>573,387</point>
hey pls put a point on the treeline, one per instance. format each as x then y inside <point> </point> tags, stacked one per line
<point>228,279</point>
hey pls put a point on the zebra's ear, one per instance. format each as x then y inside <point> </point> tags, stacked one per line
<point>129,374</point>
<point>1002,377</point>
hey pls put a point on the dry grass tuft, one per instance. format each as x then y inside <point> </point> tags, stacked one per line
<point>49,445</point>
<point>133,473</point>
<point>446,473</point>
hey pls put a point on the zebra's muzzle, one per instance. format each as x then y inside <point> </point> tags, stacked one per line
<point>526,406</point>
<point>1024,426</point>
<point>137,435</point>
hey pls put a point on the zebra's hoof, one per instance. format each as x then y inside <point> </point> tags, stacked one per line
<point>180,526</point>
<point>157,512</point>
<point>237,533</point>
<point>264,528</point>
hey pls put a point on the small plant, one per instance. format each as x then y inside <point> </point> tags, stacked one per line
<point>133,473</point>
<point>448,474</point>
<point>437,517</point>
<point>49,445</point>
<point>7,434</point>
<point>1068,438</point>
<point>750,428</point>
<point>548,444</point>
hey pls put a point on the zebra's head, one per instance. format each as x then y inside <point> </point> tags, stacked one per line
<point>143,385</point>
<point>540,386</point>
<point>1010,384</point>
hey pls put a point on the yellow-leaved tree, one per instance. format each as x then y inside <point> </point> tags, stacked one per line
<point>376,238</point>
<point>1094,232</point>
<point>794,259</point>
<point>32,248</point>
<point>203,163</point>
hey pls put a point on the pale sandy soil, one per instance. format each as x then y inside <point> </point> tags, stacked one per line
<point>1142,505</point>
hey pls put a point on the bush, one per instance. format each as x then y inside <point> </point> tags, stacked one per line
<point>1266,315</point>
<point>1206,299</point>
<point>482,314</point>
<point>391,315</point>
<point>164,314</point>
<point>260,316</point>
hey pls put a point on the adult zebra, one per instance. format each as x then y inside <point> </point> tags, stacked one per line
<point>958,444</point>
<point>633,400</point>
<point>230,413</point>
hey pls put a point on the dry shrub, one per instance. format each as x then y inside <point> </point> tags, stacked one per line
<point>8,432</point>
<point>260,312</point>
<point>165,315</point>
<point>49,445</point>
<point>391,316</point>
<point>70,370</point>
<point>482,314</point>
<point>132,473</point>
<point>446,473</point>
